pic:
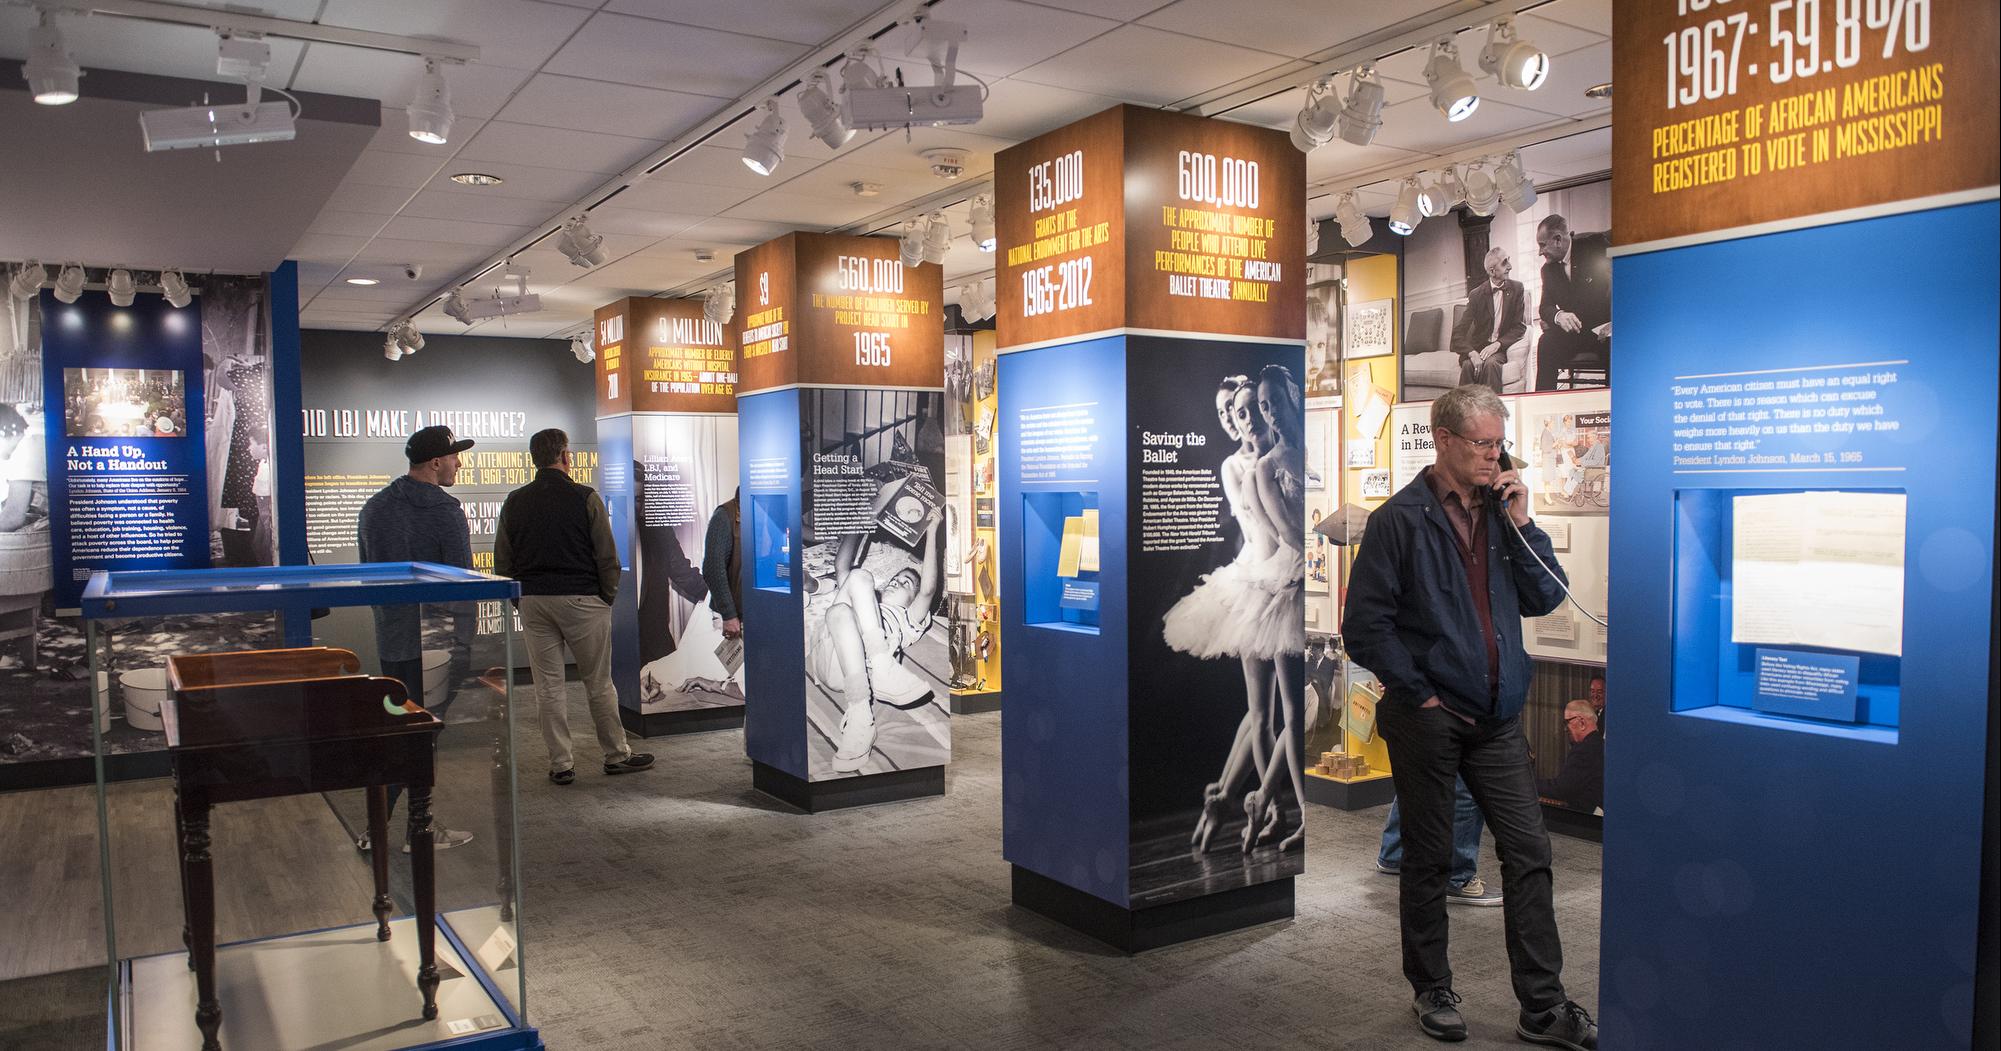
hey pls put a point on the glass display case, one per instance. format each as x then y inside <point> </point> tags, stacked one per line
<point>332,860</point>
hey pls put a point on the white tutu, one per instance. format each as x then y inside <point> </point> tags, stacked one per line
<point>1271,607</point>
<point>1205,623</point>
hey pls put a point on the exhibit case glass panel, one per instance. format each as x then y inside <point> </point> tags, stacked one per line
<point>332,860</point>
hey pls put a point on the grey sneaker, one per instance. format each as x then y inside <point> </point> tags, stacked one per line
<point>1565,1025</point>
<point>1438,1015</point>
<point>1388,869</point>
<point>1473,892</point>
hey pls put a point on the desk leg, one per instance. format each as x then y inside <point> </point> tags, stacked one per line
<point>378,834</point>
<point>422,874</point>
<point>181,862</point>
<point>200,890</point>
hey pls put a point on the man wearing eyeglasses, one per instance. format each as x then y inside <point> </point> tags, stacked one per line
<point>1579,783</point>
<point>1445,574</point>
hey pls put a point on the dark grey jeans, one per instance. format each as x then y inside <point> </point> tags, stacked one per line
<point>1430,748</point>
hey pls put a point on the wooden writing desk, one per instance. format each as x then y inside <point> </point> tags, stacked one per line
<point>264,723</point>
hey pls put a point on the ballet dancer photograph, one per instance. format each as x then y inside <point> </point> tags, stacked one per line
<point>1220,715</point>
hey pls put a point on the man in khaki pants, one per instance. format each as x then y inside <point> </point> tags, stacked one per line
<point>555,538</point>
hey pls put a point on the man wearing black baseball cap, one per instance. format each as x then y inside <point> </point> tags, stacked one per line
<point>413,519</point>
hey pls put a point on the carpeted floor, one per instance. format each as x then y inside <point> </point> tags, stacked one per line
<point>679,909</point>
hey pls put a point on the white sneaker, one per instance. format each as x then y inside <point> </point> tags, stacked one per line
<point>857,738</point>
<point>892,683</point>
<point>443,838</point>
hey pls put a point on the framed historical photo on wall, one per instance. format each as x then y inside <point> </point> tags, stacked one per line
<point>1367,330</point>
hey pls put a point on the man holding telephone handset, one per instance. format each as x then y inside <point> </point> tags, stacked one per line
<point>1448,568</point>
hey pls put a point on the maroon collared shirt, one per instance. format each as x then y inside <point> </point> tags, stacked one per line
<point>1469,531</point>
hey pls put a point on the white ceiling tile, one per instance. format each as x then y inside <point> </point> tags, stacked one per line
<point>477,90</point>
<point>663,55</point>
<point>582,151</point>
<point>996,44</point>
<point>480,208</point>
<point>1017,110</point>
<point>1337,158</point>
<point>721,232</point>
<point>1149,65</point>
<point>1122,10</point>
<point>436,257</point>
<point>1571,155</point>
<point>1594,15</point>
<point>834,180</point>
<point>452,231</point>
<point>613,219</point>
<point>667,195</point>
<point>405,170</point>
<point>1287,27</point>
<point>519,180</point>
<point>799,21</point>
<point>517,34</point>
<point>802,212</point>
<point>335,248</point>
<point>614,109</point>
<point>1553,37</point>
<point>346,224</point>
<point>1417,125</point>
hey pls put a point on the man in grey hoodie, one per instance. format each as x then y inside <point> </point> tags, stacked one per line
<point>413,519</point>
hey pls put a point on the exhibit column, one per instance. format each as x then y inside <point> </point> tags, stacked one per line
<point>1152,333</point>
<point>667,444</point>
<point>1803,528</point>
<point>841,419</point>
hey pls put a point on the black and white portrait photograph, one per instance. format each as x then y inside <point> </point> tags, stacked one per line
<point>1519,301</point>
<point>878,659</point>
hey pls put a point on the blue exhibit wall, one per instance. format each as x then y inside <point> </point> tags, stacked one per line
<point>288,446</point>
<point>1773,882</point>
<point>134,499</point>
<point>1064,811</point>
<point>768,452</point>
<point>615,486</point>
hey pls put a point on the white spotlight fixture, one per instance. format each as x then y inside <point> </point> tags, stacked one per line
<point>1404,215</point>
<point>1514,62</point>
<point>390,349</point>
<point>910,242</point>
<point>1355,227</point>
<point>121,288</point>
<point>977,301</point>
<point>1317,117</point>
<point>1516,188</point>
<point>1362,114</point>
<point>818,107</point>
<point>764,151</point>
<point>27,281</point>
<point>857,74</point>
<point>1481,193</point>
<point>69,283</point>
<point>937,238</point>
<point>174,288</point>
<point>430,110</point>
<point>584,248</point>
<point>1431,200</point>
<point>581,349</point>
<point>51,71</point>
<point>719,303</point>
<point>1452,88</point>
<point>1312,236</point>
<point>1452,187</point>
<point>983,222</point>
<point>407,338</point>
<point>455,307</point>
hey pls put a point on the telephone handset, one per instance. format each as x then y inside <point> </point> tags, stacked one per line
<point>1509,462</point>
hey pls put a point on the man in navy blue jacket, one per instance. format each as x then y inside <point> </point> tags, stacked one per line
<point>1446,572</point>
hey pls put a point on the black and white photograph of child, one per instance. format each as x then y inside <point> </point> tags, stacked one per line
<point>1223,700</point>
<point>877,655</point>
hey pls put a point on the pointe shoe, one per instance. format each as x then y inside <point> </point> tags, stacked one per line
<point>1252,807</point>
<point>1215,809</point>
